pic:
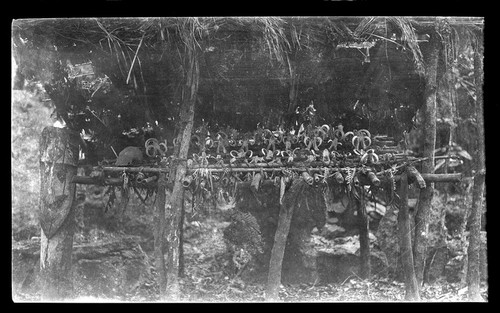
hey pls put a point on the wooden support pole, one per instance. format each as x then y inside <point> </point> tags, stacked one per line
<point>58,166</point>
<point>182,264</point>
<point>428,146</point>
<point>159,235</point>
<point>473,251</point>
<point>405,252</point>
<point>186,120</point>
<point>284,220</point>
<point>364,237</point>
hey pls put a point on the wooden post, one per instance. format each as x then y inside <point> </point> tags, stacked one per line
<point>405,251</point>
<point>189,94</point>
<point>364,238</point>
<point>429,144</point>
<point>58,166</point>
<point>473,270</point>
<point>181,238</point>
<point>159,235</point>
<point>287,207</point>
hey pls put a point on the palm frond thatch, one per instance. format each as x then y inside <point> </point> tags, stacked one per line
<point>409,37</point>
<point>368,27</point>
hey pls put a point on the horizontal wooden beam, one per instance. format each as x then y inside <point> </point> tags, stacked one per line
<point>436,178</point>
<point>249,167</point>
<point>442,178</point>
<point>134,169</point>
<point>87,180</point>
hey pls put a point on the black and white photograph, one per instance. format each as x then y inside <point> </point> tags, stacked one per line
<point>248,159</point>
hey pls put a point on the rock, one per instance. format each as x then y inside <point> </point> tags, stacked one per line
<point>331,231</point>
<point>379,208</point>
<point>308,256</point>
<point>25,262</point>
<point>332,220</point>
<point>334,261</point>
<point>435,264</point>
<point>264,206</point>
<point>387,239</point>
<point>100,269</point>
<point>456,267</point>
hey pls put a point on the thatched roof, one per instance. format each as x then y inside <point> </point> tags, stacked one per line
<point>364,70</point>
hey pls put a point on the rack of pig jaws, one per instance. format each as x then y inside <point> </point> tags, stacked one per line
<point>319,155</point>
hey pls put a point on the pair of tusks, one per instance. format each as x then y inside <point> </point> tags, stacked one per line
<point>370,157</point>
<point>313,142</point>
<point>241,154</point>
<point>159,148</point>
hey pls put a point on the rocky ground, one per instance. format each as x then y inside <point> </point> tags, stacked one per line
<point>114,267</point>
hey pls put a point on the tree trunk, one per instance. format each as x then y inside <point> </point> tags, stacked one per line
<point>58,166</point>
<point>159,235</point>
<point>405,252</point>
<point>284,220</point>
<point>429,143</point>
<point>473,270</point>
<point>189,92</point>
<point>364,238</point>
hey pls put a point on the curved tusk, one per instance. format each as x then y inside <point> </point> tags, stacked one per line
<point>365,132</point>
<point>353,140</point>
<point>320,141</point>
<point>369,141</point>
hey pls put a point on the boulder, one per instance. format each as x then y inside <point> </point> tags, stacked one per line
<point>336,260</point>
<point>332,230</point>
<point>388,241</point>
<point>264,206</point>
<point>323,242</point>
<point>106,269</point>
<point>455,269</point>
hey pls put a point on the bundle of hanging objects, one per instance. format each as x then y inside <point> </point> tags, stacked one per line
<point>218,161</point>
<point>313,153</point>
